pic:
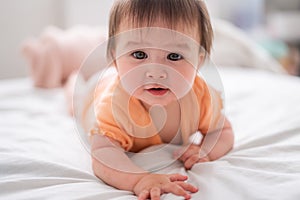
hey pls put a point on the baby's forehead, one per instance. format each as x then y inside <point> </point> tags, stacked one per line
<point>156,37</point>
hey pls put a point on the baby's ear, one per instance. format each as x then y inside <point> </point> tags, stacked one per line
<point>201,59</point>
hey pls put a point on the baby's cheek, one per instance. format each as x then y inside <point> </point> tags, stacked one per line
<point>181,87</point>
<point>187,71</point>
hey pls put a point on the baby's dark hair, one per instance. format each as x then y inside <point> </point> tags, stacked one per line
<point>190,13</point>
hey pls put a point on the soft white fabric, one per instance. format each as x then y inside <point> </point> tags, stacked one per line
<point>41,156</point>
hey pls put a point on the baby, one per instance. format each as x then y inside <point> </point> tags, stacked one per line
<point>156,95</point>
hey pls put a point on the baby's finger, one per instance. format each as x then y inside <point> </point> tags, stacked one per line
<point>204,159</point>
<point>176,189</point>
<point>144,195</point>
<point>191,161</point>
<point>184,156</point>
<point>186,152</point>
<point>155,193</point>
<point>187,186</point>
<point>177,177</point>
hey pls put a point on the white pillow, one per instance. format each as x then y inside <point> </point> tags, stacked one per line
<point>232,47</point>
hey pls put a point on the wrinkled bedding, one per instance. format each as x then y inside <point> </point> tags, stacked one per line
<point>42,157</point>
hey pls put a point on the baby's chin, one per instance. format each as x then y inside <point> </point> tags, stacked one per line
<point>161,102</point>
<point>149,100</point>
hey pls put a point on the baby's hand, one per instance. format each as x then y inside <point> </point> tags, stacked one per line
<point>153,185</point>
<point>190,155</point>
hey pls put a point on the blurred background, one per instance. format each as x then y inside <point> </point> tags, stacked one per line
<point>274,24</point>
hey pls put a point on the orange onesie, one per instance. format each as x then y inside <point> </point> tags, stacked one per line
<point>125,120</point>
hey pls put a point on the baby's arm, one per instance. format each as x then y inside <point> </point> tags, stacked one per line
<point>223,144</point>
<point>205,152</point>
<point>112,165</point>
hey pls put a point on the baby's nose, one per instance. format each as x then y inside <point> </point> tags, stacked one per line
<point>156,74</point>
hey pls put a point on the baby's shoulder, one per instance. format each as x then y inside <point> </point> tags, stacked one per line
<point>200,87</point>
<point>204,92</point>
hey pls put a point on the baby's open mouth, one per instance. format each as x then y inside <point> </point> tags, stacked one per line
<point>158,91</point>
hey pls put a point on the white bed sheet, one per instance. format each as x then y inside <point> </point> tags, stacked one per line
<point>41,156</point>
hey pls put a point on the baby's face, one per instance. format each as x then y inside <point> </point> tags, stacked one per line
<point>155,64</point>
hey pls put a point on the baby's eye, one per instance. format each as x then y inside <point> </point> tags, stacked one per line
<point>139,55</point>
<point>174,57</point>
